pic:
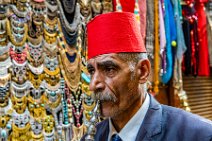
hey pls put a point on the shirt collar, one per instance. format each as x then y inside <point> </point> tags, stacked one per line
<point>130,130</point>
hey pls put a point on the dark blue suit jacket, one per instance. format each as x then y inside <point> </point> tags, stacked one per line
<point>164,123</point>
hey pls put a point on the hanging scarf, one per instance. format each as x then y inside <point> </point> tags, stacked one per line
<point>191,56</point>
<point>162,30</point>
<point>204,69</point>
<point>127,5</point>
<point>209,30</point>
<point>170,37</point>
<point>181,47</point>
<point>150,28</point>
<point>142,9</point>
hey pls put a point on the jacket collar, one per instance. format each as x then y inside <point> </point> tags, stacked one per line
<point>103,130</point>
<point>152,124</point>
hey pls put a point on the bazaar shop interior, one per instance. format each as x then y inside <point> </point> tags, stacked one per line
<point>44,82</point>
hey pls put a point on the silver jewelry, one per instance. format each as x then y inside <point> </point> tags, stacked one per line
<point>36,126</point>
<point>70,28</point>
<point>49,136</point>
<point>37,93</point>
<point>4,110</point>
<point>91,129</point>
<point>20,90</point>
<point>18,13</point>
<point>51,7</point>
<point>5,64</point>
<point>36,70</point>
<point>19,71</point>
<point>50,47</point>
<point>51,63</point>
<point>21,120</point>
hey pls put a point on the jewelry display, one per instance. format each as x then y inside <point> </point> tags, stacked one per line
<point>36,102</point>
<point>78,132</point>
<point>96,6</point>
<point>19,72</point>
<point>77,107</point>
<point>44,91</point>
<point>107,6</point>
<point>91,129</point>
<point>17,29</point>
<point>36,79</point>
<point>36,25</point>
<point>4,49</point>
<point>71,68</point>
<point>20,90</point>
<point>52,77</point>
<point>18,54</point>
<point>64,102</point>
<point>5,124</point>
<point>52,8</point>
<point>69,28</point>
<point>38,7</point>
<point>35,41</point>
<point>36,107</point>
<point>4,97</point>
<point>19,103</point>
<point>85,10</point>
<point>50,37</point>
<point>36,130</point>
<point>48,128</point>
<point>16,11</point>
<point>35,54</point>
<point>21,126</point>
<point>4,66</point>
<point>88,102</point>
<point>3,30</point>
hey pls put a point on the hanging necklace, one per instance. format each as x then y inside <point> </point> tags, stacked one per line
<point>73,27</point>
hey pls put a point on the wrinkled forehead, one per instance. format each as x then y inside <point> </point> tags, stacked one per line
<point>105,57</point>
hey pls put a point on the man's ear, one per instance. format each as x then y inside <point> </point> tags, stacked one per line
<point>143,70</point>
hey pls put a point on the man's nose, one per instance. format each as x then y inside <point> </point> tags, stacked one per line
<point>97,82</point>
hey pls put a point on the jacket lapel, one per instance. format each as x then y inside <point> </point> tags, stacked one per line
<point>152,124</point>
<point>103,131</point>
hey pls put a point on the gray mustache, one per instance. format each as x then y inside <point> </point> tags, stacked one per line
<point>105,96</point>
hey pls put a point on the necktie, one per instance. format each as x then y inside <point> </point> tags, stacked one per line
<point>116,137</point>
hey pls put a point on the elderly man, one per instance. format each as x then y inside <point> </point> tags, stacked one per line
<point>119,69</point>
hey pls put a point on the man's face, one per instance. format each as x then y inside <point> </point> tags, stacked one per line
<point>112,83</point>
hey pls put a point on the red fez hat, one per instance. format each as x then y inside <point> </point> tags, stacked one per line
<point>114,32</point>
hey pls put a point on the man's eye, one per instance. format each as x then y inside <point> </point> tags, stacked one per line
<point>91,71</point>
<point>109,70</point>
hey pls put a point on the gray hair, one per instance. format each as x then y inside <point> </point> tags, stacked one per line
<point>132,59</point>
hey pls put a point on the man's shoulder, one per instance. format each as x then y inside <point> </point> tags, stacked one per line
<point>187,122</point>
<point>180,114</point>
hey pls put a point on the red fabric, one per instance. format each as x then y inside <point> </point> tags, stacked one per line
<point>204,68</point>
<point>127,5</point>
<point>142,13</point>
<point>201,0</point>
<point>114,32</point>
